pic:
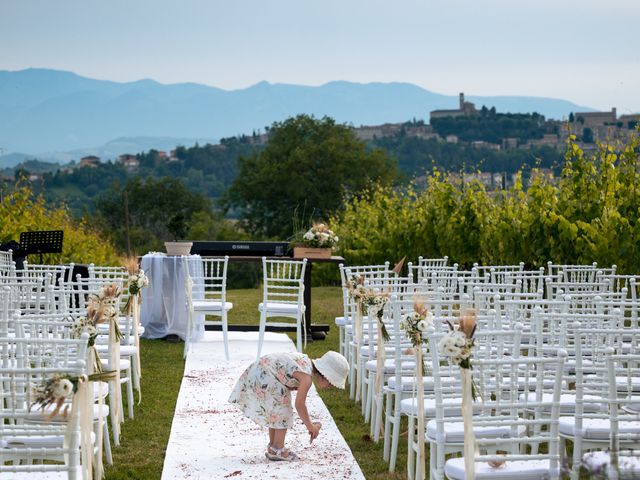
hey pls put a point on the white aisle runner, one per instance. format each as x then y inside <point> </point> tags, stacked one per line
<point>211,439</point>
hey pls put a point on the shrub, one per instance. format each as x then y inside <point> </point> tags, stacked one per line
<point>591,214</point>
<point>22,211</point>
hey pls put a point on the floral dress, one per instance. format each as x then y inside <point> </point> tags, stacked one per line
<point>263,390</point>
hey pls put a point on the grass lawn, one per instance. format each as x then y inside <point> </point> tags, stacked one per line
<point>144,439</point>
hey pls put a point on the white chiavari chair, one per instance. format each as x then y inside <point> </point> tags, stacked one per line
<point>114,356</point>
<point>599,383</point>
<point>352,275</point>
<point>367,363</point>
<point>443,431</point>
<point>214,285</point>
<point>31,446</point>
<point>59,326</point>
<point>58,272</point>
<point>622,458</point>
<point>128,319</point>
<point>531,281</point>
<point>7,265</point>
<point>515,461</point>
<point>282,297</point>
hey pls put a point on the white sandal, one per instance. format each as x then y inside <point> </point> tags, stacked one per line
<point>277,454</point>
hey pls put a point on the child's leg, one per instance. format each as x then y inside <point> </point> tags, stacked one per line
<point>272,433</point>
<point>279,435</point>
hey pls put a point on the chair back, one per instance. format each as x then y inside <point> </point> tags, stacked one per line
<point>214,279</point>
<point>283,281</point>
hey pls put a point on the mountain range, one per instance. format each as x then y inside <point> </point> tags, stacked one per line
<point>58,115</point>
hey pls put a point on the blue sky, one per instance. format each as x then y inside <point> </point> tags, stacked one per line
<point>585,51</point>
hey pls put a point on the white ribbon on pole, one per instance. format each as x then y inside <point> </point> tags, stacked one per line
<point>81,417</point>
<point>114,364</point>
<point>467,418</point>
<point>136,339</point>
<point>358,338</point>
<point>421,460</point>
<point>381,357</point>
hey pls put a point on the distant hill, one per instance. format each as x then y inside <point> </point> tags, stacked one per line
<point>47,111</point>
<point>12,159</point>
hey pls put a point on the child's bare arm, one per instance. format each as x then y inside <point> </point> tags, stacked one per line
<point>304,381</point>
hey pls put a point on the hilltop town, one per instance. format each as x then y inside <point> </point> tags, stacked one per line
<point>477,139</point>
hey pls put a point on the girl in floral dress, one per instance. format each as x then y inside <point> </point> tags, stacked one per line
<point>263,392</point>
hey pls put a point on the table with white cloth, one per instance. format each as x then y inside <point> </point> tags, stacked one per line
<point>163,310</point>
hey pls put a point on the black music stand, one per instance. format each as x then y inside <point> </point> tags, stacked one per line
<point>45,241</point>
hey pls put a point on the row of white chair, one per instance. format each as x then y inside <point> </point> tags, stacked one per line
<point>507,315</point>
<point>46,304</point>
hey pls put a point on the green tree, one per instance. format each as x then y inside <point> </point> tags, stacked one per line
<point>138,215</point>
<point>307,169</point>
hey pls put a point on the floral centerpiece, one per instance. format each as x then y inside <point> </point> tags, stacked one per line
<point>317,242</point>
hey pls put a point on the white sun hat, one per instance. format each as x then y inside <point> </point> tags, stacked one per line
<point>334,367</point>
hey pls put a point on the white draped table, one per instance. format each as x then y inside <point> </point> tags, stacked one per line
<point>163,310</point>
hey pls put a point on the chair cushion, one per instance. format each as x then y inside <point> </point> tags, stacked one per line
<point>634,406</point>
<point>37,441</point>
<point>124,364</point>
<point>48,476</point>
<point>596,428</point>
<point>600,462</point>
<point>125,350</point>
<point>389,366</point>
<point>371,351</point>
<point>408,382</point>
<point>454,431</point>
<point>100,411</point>
<point>210,306</point>
<point>452,407</point>
<point>518,469</point>
<point>628,383</point>
<point>100,389</point>
<point>591,403</point>
<point>277,307</point>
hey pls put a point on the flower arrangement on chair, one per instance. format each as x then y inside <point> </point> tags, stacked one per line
<point>55,390</point>
<point>136,282</point>
<point>457,345</point>
<point>103,307</point>
<point>414,325</point>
